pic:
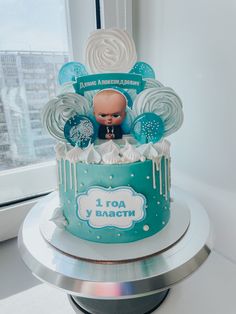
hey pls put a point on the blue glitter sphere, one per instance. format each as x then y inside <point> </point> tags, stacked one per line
<point>143,69</point>
<point>80,131</point>
<point>70,71</point>
<point>148,127</point>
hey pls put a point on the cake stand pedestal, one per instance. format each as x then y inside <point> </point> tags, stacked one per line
<point>130,287</point>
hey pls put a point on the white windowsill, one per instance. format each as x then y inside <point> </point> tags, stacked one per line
<point>25,182</point>
<point>12,216</point>
<point>21,183</point>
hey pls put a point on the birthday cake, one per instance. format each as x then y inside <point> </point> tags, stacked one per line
<point>111,121</point>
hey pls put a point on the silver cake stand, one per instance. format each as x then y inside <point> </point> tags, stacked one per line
<point>135,286</point>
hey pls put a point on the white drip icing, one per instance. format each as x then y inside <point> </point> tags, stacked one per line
<point>169,173</point>
<point>59,171</point>
<point>168,181</point>
<point>71,179</point>
<point>75,177</point>
<point>166,178</point>
<point>154,174</point>
<point>160,178</point>
<point>69,175</point>
<point>65,176</point>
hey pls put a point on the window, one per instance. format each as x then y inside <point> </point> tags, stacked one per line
<point>33,46</point>
<point>28,69</point>
<point>36,38</point>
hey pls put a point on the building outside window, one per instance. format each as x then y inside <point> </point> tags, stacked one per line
<point>33,47</point>
<point>28,80</point>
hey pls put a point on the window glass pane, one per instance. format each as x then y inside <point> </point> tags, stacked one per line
<point>33,46</point>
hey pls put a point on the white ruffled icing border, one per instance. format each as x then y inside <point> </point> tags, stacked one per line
<point>111,153</point>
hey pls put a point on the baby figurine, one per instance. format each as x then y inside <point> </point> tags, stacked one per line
<point>109,109</point>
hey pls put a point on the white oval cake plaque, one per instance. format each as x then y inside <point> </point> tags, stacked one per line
<point>102,252</point>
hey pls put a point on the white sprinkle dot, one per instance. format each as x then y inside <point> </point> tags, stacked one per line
<point>110,177</point>
<point>98,237</point>
<point>132,175</point>
<point>148,177</point>
<point>81,184</point>
<point>163,222</point>
<point>146,228</point>
<point>158,203</point>
<point>85,171</point>
<point>118,234</point>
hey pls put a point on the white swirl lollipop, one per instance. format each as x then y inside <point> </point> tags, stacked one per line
<point>150,83</point>
<point>61,108</point>
<point>110,50</point>
<point>111,157</point>
<point>131,154</point>
<point>66,88</point>
<point>74,154</point>
<point>61,150</point>
<point>132,93</point>
<point>164,102</point>
<point>163,148</point>
<point>107,147</point>
<point>89,96</point>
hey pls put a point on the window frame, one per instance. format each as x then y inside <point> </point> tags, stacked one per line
<point>113,13</point>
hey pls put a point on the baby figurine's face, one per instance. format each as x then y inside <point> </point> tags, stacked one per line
<point>109,107</point>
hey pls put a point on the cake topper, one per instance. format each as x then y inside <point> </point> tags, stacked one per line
<point>148,127</point>
<point>121,94</point>
<point>70,71</point>
<point>109,107</point>
<point>164,102</point>
<point>144,69</point>
<point>110,50</point>
<point>79,131</point>
<point>61,108</point>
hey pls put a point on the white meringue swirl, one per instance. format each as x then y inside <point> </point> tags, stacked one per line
<point>125,147</point>
<point>110,50</point>
<point>150,83</point>
<point>107,147</point>
<point>61,108</point>
<point>60,149</point>
<point>163,148</point>
<point>66,88</point>
<point>89,96</point>
<point>90,156</point>
<point>165,103</point>
<point>148,151</point>
<point>74,154</point>
<point>131,154</point>
<point>111,153</point>
<point>111,157</point>
<point>58,218</point>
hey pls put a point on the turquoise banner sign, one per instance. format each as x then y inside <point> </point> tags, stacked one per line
<point>108,80</point>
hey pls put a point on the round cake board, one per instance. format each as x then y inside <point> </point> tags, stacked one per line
<point>102,252</point>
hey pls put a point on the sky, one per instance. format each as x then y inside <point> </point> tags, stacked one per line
<point>33,25</point>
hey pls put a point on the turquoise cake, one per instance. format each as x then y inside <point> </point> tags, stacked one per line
<point>114,203</point>
<point>111,118</point>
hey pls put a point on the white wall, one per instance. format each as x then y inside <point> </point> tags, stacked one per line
<point>192,44</point>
